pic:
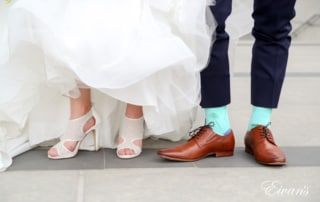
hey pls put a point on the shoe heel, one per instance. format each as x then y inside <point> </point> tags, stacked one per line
<point>224,153</point>
<point>248,150</point>
<point>95,140</point>
<point>90,142</point>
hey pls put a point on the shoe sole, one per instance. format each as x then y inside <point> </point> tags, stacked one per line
<point>216,154</point>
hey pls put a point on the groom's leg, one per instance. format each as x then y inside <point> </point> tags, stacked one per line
<point>270,50</point>
<point>214,138</point>
<point>269,61</point>
<point>215,78</point>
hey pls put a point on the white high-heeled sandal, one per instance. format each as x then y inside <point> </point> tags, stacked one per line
<point>130,133</point>
<point>74,133</point>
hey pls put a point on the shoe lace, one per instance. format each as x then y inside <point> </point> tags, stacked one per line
<point>265,132</point>
<point>194,133</point>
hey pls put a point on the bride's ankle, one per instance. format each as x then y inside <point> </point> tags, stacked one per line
<point>132,125</point>
<point>77,112</point>
<point>90,123</point>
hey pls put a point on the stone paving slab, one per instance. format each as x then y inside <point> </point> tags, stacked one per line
<point>107,159</point>
<point>163,184</point>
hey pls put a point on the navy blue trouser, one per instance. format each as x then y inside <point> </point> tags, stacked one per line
<point>269,54</point>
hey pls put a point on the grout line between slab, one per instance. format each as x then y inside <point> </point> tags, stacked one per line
<point>104,159</point>
<point>80,190</point>
<point>194,164</point>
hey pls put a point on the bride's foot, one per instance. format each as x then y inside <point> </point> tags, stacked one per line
<point>76,131</point>
<point>130,138</point>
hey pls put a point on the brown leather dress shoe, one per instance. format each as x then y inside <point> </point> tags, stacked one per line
<point>204,143</point>
<point>260,143</point>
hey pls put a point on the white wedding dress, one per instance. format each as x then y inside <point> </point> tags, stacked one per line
<point>144,52</point>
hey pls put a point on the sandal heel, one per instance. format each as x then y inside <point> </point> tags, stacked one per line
<point>90,142</point>
<point>95,144</point>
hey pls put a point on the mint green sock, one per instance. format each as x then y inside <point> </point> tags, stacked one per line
<point>259,116</point>
<point>219,116</point>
